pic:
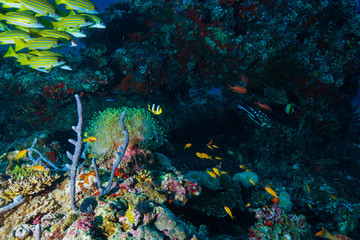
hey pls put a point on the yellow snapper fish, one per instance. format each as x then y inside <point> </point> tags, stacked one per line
<point>10,4</point>
<point>155,110</point>
<point>23,19</point>
<point>75,32</point>
<point>45,53</point>
<point>98,22</point>
<point>4,27</point>
<point>40,43</point>
<point>40,7</point>
<point>43,63</point>
<point>73,21</point>
<point>218,158</point>
<point>19,56</point>
<point>228,211</point>
<point>55,34</point>
<point>9,37</point>
<point>84,6</point>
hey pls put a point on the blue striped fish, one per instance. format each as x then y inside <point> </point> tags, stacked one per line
<point>73,21</point>
<point>23,19</point>
<point>43,63</point>
<point>10,36</point>
<point>40,7</point>
<point>41,43</point>
<point>84,6</point>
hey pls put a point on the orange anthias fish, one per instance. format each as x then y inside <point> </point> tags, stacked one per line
<point>252,182</point>
<point>264,106</point>
<point>210,142</point>
<point>244,79</point>
<point>206,156</point>
<point>228,211</point>
<point>325,234</point>
<point>90,139</point>
<point>238,89</point>
<point>271,191</point>
<point>188,145</point>
<point>38,168</point>
<point>212,174</point>
<point>21,154</point>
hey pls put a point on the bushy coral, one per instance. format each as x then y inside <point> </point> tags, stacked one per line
<point>143,128</point>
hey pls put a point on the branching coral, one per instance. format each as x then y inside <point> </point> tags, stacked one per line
<point>34,182</point>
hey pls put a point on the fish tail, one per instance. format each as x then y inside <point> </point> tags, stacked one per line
<point>19,44</point>
<point>56,25</point>
<point>10,52</point>
<point>1,16</point>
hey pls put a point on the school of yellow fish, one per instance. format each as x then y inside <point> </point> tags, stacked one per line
<point>35,26</point>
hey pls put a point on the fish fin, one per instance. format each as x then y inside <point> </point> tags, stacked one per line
<point>24,61</point>
<point>72,12</point>
<point>19,44</point>
<point>10,52</point>
<point>56,25</point>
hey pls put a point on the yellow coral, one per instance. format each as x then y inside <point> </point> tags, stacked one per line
<point>129,214</point>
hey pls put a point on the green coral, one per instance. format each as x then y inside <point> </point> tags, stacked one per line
<point>143,128</point>
<point>21,172</point>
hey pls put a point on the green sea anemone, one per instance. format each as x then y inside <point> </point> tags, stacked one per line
<point>143,128</point>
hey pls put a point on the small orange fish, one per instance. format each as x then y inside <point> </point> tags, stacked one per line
<point>242,166</point>
<point>223,172</point>
<point>199,155</point>
<point>228,211</point>
<point>188,145</point>
<point>21,154</point>
<point>264,106</point>
<point>244,79</point>
<point>307,189</point>
<point>211,173</point>
<point>209,146</point>
<point>90,139</point>
<point>333,196</point>
<point>215,146</point>
<point>239,89</point>
<point>216,171</point>
<point>206,156</point>
<point>210,142</point>
<point>247,170</point>
<point>252,182</point>
<point>276,200</point>
<point>247,205</point>
<point>38,168</point>
<point>218,158</point>
<point>271,191</point>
